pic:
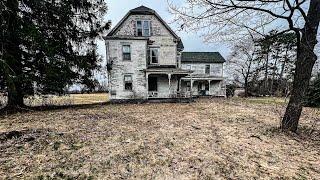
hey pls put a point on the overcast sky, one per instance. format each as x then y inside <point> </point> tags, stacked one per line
<point>192,41</point>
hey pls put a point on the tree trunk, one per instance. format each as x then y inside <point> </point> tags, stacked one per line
<point>15,97</point>
<point>265,86</point>
<point>246,88</point>
<point>306,59</point>
<point>13,69</point>
<point>280,85</point>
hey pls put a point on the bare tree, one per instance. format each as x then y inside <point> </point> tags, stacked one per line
<point>230,19</point>
<point>241,62</point>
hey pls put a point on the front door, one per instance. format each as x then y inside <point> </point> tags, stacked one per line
<point>153,84</point>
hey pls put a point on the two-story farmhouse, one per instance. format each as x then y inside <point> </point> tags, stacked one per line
<point>145,61</point>
<point>207,73</point>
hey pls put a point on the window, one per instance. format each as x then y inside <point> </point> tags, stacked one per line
<point>154,55</point>
<point>207,69</point>
<point>139,28</point>
<point>143,28</point>
<point>188,67</point>
<point>126,52</point>
<point>146,28</point>
<point>128,82</point>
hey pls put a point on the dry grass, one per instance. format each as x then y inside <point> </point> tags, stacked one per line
<point>52,100</point>
<point>208,139</point>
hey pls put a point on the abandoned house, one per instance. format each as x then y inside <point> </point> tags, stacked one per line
<point>145,60</point>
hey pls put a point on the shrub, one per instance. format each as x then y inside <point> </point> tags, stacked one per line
<point>230,90</point>
<point>313,93</point>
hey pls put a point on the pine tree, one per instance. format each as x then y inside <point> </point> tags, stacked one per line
<point>47,45</point>
<point>313,94</point>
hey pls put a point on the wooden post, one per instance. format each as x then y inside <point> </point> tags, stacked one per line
<point>191,87</point>
<point>147,84</point>
<point>169,77</point>
<point>209,87</point>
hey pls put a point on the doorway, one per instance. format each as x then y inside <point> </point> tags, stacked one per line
<point>153,84</point>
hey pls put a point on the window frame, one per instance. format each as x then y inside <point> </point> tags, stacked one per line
<point>125,82</point>
<point>126,53</point>
<point>207,70</point>
<point>150,55</point>
<point>142,28</point>
<point>188,67</point>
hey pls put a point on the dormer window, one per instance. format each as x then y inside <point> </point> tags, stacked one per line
<point>143,28</point>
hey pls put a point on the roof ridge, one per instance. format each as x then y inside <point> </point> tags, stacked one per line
<point>200,52</point>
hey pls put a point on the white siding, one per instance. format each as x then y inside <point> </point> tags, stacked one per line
<point>216,69</point>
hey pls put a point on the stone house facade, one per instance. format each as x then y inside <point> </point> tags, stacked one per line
<point>145,59</point>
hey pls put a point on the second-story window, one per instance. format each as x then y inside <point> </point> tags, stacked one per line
<point>154,55</point>
<point>143,28</point>
<point>126,52</point>
<point>207,71</point>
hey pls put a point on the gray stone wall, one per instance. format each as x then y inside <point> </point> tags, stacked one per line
<point>161,37</point>
<point>135,67</point>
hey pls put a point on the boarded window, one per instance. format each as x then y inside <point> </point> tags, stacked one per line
<point>154,55</point>
<point>128,82</point>
<point>207,69</point>
<point>126,52</point>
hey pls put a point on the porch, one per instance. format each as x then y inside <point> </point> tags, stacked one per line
<point>165,83</point>
<point>212,86</point>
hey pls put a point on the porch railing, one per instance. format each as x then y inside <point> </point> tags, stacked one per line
<point>171,94</point>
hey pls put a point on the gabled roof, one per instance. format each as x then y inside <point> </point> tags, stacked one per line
<point>202,57</point>
<point>142,10</point>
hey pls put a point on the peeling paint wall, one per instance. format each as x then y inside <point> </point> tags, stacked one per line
<point>160,36</point>
<point>135,67</point>
<point>216,69</point>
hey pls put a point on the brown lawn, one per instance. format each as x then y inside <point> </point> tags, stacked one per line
<point>208,139</point>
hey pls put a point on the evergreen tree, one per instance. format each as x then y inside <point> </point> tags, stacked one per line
<point>313,94</point>
<point>47,45</point>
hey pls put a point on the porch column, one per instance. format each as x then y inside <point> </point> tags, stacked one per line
<point>191,87</point>
<point>169,77</point>
<point>147,84</point>
<point>209,87</point>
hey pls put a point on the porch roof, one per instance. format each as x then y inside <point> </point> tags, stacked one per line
<point>203,77</point>
<point>172,71</point>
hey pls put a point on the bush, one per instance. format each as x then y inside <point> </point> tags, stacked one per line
<point>230,90</point>
<point>313,93</point>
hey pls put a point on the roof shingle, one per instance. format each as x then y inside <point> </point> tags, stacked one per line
<point>202,57</point>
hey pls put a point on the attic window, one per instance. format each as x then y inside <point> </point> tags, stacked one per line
<point>143,28</point>
<point>207,69</point>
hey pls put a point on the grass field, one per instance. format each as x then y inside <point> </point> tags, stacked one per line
<point>72,99</point>
<point>207,139</point>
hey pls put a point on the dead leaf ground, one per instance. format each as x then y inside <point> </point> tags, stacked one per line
<point>208,139</point>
